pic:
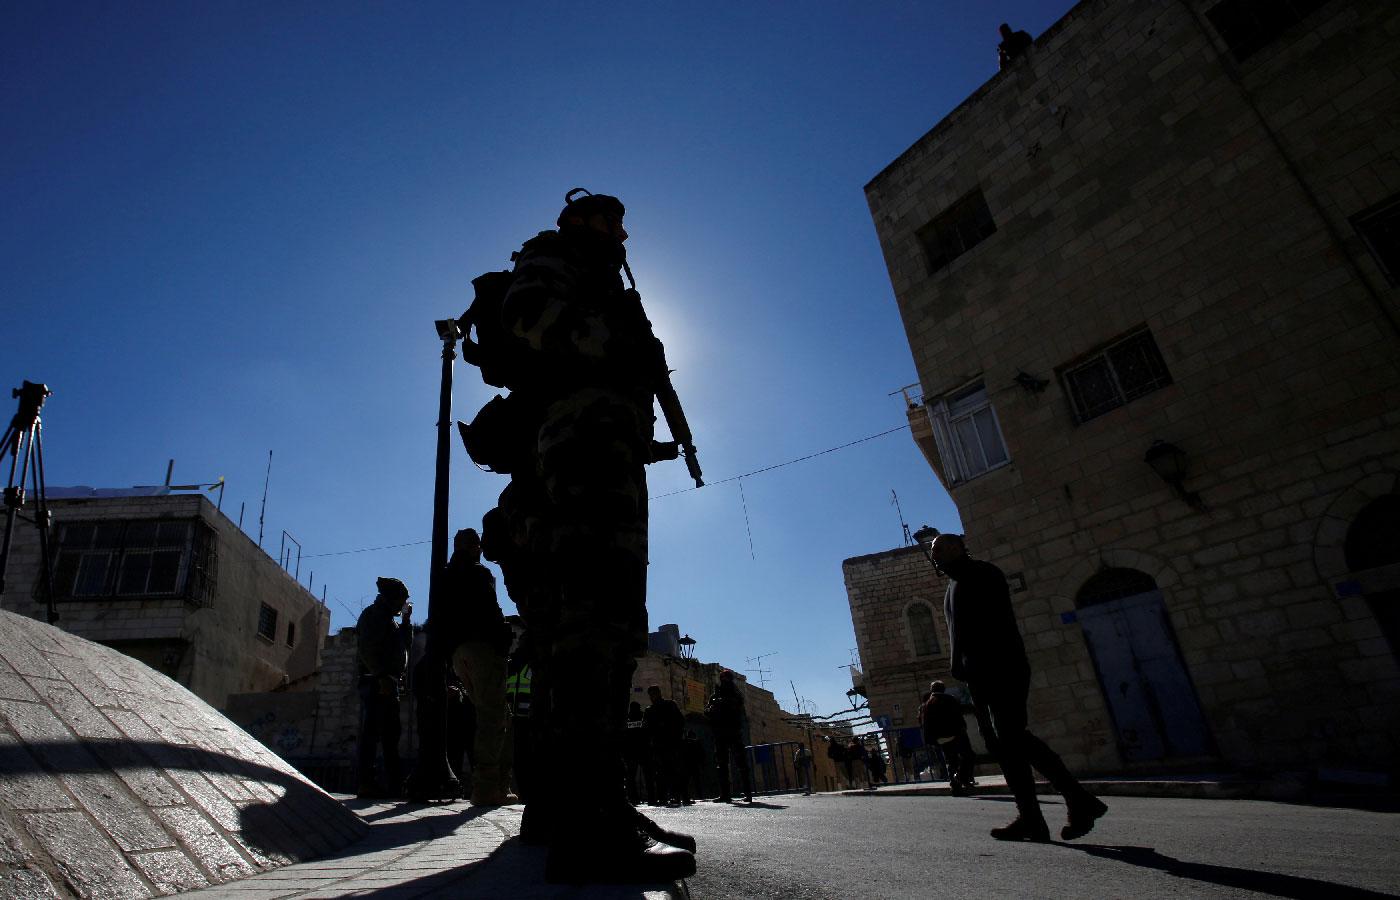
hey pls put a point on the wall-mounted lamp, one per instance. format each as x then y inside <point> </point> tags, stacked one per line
<point>687,647</point>
<point>1030,383</point>
<point>1171,464</point>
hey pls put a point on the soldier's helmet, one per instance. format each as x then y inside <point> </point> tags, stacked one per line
<point>588,204</point>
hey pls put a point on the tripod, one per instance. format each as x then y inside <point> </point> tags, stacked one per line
<point>24,443</point>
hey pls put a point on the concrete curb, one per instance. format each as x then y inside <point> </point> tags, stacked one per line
<point>1195,788</point>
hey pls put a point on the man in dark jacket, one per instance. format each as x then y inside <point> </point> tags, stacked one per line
<point>986,651</point>
<point>474,636</point>
<point>382,648</point>
<point>728,721</point>
<point>945,730</point>
<point>665,726</point>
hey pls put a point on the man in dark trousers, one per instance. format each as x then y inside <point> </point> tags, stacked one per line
<point>988,655</point>
<point>382,647</point>
<point>665,726</point>
<point>945,730</point>
<point>474,636</point>
<point>728,720</point>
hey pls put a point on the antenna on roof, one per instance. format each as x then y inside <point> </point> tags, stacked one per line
<point>262,514</point>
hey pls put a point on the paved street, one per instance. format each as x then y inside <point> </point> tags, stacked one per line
<point>885,847</point>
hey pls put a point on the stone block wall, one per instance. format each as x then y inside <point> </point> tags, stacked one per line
<point>1139,176</point>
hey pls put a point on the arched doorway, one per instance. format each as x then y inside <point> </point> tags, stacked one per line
<point>1149,693</point>
<point>1373,557</point>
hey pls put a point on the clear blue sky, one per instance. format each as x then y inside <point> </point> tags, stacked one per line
<point>228,228</point>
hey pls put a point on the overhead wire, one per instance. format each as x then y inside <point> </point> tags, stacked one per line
<point>761,471</point>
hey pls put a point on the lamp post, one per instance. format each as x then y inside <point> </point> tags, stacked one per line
<point>687,647</point>
<point>1171,464</point>
<point>432,777</point>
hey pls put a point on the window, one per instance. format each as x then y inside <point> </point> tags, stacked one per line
<point>1379,227</point>
<point>1122,372</point>
<point>967,433</point>
<point>956,230</point>
<point>147,558</point>
<point>267,622</point>
<point>291,634</point>
<point>1248,26</point>
<point>920,618</point>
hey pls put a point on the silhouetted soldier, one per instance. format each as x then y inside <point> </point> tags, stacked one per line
<point>636,755</point>
<point>588,367</point>
<point>382,648</point>
<point>728,721</point>
<point>1013,46</point>
<point>519,743</point>
<point>988,655</point>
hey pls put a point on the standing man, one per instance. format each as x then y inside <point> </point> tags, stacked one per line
<point>476,638</point>
<point>382,647</point>
<point>665,724</point>
<point>728,721</point>
<point>945,732</point>
<point>987,654</point>
<point>1013,46</point>
<point>588,369</point>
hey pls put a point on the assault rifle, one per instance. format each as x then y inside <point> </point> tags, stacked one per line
<point>666,393</point>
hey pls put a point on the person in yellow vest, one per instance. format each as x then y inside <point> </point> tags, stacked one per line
<point>519,738</point>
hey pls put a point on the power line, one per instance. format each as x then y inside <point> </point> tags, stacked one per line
<point>788,463</point>
<point>658,496</point>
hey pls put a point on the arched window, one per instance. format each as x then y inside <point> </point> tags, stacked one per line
<point>1114,584</point>
<point>921,629</point>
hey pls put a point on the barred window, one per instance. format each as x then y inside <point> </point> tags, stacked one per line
<point>1379,228</point>
<point>143,558</point>
<point>1122,372</point>
<point>956,230</point>
<point>267,622</point>
<point>1248,26</point>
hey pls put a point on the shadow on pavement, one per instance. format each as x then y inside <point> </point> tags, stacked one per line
<point>1271,883</point>
<point>514,869</point>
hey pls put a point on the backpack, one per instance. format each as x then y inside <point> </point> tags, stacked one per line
<point>489,352</point>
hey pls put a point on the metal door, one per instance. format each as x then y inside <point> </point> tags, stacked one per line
<point>1150,696</point>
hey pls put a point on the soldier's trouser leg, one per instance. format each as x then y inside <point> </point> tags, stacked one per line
<point>482,668</point>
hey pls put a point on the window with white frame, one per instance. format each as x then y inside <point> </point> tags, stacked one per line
<point>968,435</point>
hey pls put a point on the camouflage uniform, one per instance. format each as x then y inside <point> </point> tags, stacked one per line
<point>585,349</point>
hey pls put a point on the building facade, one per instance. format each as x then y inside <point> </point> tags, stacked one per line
<point>1149,276</point>
<point>170,580</point>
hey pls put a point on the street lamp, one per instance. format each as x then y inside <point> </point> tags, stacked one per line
<point>1171,464</point>
<point>432,777</point>
<point>687,647</point>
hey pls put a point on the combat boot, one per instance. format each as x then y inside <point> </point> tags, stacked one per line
<point>664,835</point>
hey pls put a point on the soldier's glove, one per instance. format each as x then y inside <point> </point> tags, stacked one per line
<point>664,450</point>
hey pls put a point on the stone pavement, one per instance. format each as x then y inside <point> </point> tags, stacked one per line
<point>117,782</point>
<point>1205,786</point>
<point>441,851</point>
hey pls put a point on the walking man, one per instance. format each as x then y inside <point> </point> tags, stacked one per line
<point>988,655</point>
<point>729,720</point>
<point>945,731</point>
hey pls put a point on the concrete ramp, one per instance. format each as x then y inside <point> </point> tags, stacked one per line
<point>117,782</point>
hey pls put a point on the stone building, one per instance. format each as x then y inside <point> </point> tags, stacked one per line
<point>1148,274</point>
<point>170,580</point>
